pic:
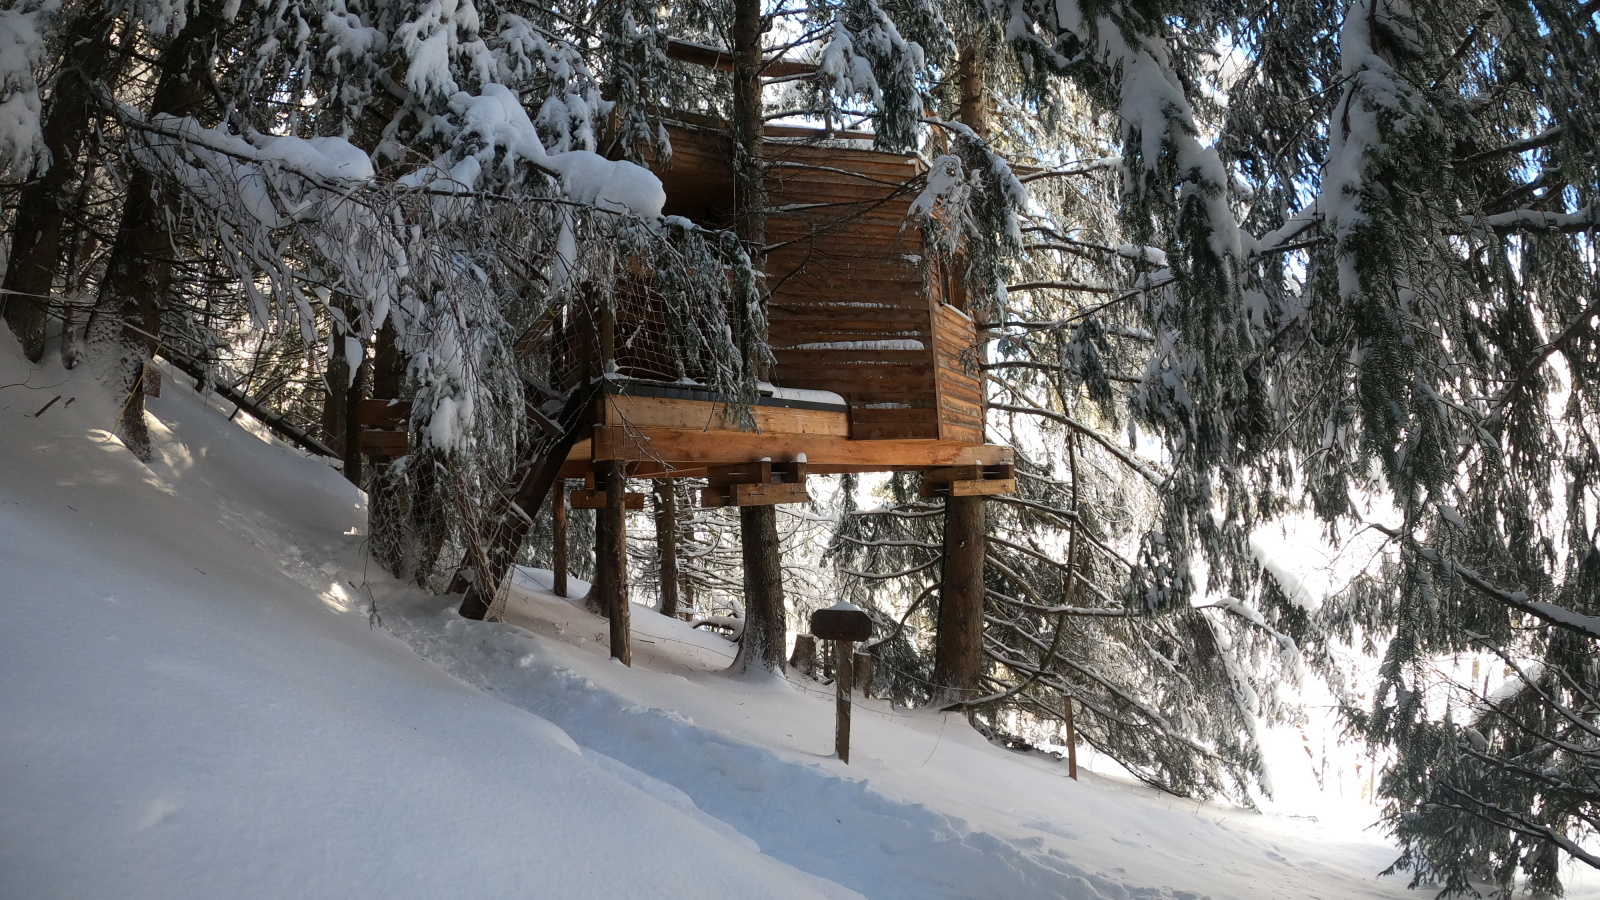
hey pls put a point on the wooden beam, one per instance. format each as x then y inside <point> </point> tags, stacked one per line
<point>533,477</point>
<point>759,472</point>
<point>558,528</point>
<point>392,444</point>
<point>596,499</point>
<point>383,413</point>
<point>979,488</point>
<point>994,472</point>
<point>697,449</point>
<point>753,495</point>
<point>275,422</point>
<point>947,474</point>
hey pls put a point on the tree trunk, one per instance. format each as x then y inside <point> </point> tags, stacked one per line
<point>765,631</point>
<point>138,275</point>
<point>667,544</point>
<point>389,364</point>
<point>389,499</point>
<point>335,407</point>
<point>749,194</point>
<point>863,673</point>
<point>974,104</point>
<point>613,556</point>
<point>765,628</point>
<point>958,653</point>
<point>42,203</point>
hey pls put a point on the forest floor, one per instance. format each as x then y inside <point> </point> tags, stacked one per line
<point>197,700</point>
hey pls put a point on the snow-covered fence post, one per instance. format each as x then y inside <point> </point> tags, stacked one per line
<point>843,624</point>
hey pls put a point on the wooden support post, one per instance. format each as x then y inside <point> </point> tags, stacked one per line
<point>599,588</point>
<point>667,544</point>
<point>608,337</point>
<point>352,428</point>
<point>585,498</point>
<point>1072,743</point>
<point>841,679</point>
<point>863,672</point>
<point>614,557</point>
<point>804,658</point>
<point>558,538</point>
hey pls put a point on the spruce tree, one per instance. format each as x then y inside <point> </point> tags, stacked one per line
<point>1370,297</point>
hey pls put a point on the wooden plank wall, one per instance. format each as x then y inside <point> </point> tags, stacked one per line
<point>844,269</point>
<point>847,270</point>
<point>960,384</point>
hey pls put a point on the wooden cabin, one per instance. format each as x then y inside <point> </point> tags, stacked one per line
<point>875,367</point>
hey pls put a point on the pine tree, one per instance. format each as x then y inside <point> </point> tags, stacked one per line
<point>1371,297</point>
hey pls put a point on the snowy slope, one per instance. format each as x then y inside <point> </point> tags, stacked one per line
<point>925,809</point>
<point>193,703</point>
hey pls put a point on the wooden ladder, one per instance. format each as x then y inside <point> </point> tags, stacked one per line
<point>533,479</point>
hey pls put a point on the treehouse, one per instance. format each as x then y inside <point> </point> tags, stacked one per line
<point>875,367</point>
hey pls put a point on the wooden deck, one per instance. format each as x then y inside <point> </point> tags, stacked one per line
<point>684,438</point>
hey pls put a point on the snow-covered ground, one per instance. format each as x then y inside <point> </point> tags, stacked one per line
<point>196,702</point>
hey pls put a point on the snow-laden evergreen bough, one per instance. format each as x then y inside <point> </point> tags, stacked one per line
<point>375,166</point>
<point>1373,296</point>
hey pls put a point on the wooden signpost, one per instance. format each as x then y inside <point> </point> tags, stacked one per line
<point>843,624</point>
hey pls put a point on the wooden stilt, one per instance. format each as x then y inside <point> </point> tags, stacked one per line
<point>615,558</point>
<point>558,538</point>
<point>667,544</point>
